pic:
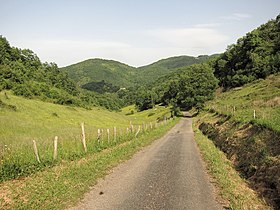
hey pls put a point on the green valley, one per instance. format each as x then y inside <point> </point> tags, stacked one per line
<point>124,76</point>
<point>234,99</point>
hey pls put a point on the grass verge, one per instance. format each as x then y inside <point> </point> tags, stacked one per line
<point>63,185</point>
<point>232,188</point>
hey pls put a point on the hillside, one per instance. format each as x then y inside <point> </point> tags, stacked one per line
<point>96,70</point>
<point>22,72</point>
<point>263,96</point>
<point>244,124</point>
<point>101,74</point>
<point>42,120</point>
<point>150,73</point>
<point>23,120</point>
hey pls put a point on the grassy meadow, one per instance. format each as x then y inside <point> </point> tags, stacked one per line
<point>24,120</point>
<point>64,184</point>
<point>263,96</point>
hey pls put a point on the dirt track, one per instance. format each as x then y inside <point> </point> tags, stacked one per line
<point>169,174</point>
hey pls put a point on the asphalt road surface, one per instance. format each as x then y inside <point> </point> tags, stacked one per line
<point>168,174</point>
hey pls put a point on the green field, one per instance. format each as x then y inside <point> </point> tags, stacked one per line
<point>63,185</point>
<point>34,119</point>
<point>263,96</point>
<point>24,120</point>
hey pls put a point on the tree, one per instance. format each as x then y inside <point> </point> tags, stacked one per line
<point>195,85</point>
<point>254,56</point>
<point>145,100</point>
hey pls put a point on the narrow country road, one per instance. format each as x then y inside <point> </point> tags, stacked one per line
<point>168,174</point>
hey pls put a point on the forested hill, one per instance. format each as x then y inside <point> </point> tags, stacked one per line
<point>97,74</point>
<point>254,56</point>
<point>22,72</point>
<point>150,73</point>
<point>96,70</point>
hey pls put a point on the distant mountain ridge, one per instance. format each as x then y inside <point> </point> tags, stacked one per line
<point>90,72</point>
<point>163,67</point>
<point>96,70</point>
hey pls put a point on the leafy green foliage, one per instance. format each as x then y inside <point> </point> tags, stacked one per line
<point>185,88</point>
<point>107,76</point>
<point>101,87</point>
<point>145,99</point>
<point>196,87</point>
<point>254,56</point>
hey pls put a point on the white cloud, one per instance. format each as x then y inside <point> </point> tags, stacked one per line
<point>66,52</point>
<point>237,16</point>
<point>207,25</point>
<point>196,38</point>
<point>138,49</point>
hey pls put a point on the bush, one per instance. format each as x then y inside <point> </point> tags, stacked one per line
<point>22,90</point>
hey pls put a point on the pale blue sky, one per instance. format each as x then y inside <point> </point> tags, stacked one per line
<point>133,32</point>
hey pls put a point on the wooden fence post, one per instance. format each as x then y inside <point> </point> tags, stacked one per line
<point>108,135</point>
<point>131,127</point>
<point>115,134</point>
<point>36,151</point>
<point>55,148</point>
<point>102,135</point>
<point>84,137</point>
<point>139,128</point>
<point>98,135</point>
